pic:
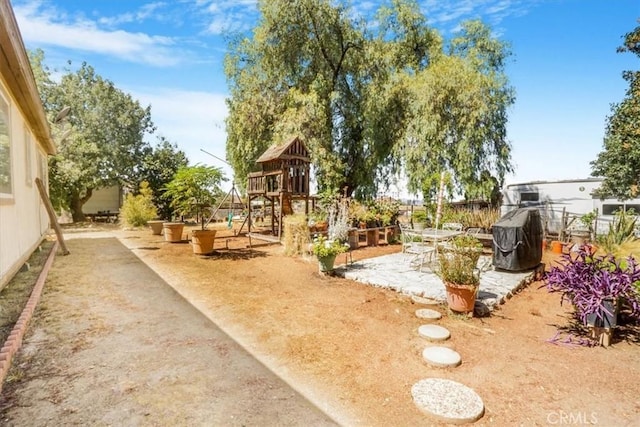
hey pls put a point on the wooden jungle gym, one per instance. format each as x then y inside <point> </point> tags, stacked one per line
<point>283,178</point>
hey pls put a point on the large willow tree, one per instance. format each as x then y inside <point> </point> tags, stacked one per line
<point>458,117</point>
<point>369,99</point>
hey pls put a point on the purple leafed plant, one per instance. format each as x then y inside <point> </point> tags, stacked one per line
<point>589,281</point>
<point>571,340</point>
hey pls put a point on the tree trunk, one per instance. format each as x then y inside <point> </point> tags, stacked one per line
<point>76,202</point>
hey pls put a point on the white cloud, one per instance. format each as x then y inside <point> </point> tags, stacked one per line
<point>192,119</point>
<point>224,16</point>
<point>451,12</point>
<point>44,26</point>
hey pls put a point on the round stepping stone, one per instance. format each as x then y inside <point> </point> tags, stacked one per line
<point>441,357</point>
<point>447,400</point>
<point>425,301</point>
<point>427,313</point>
<point>434,332</point>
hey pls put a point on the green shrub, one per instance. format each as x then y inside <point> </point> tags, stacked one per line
<point>137,210</point>
<point>622,230</point>
<point>458,263</point>
<point>419,215</point>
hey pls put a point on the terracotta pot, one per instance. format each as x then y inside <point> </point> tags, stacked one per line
<point>322,226</point>
<point>173,231</point>
<point>202,241</point>
<point>461,298</point>
<point>556,247</point>
<point>156,226</point>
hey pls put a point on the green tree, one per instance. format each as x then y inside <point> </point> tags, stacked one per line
<point>355,92</point>
<point>458,116</point>
<point>104,130</point>
<point>619,162</point>
<point>313,71</point>
<point>159,165</point>
<point>194,188</point>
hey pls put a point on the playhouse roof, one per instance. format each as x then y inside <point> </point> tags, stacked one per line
<point>292,149</point>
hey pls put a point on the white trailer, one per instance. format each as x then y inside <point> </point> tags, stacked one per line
<point>572,197</point>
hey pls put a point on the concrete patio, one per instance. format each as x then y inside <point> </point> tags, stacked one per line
<point>395,272</point>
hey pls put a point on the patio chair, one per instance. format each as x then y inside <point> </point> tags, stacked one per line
<point>472,231</point>
<point>420,250</point>
<point>456,226</point>
<point>406,236</point>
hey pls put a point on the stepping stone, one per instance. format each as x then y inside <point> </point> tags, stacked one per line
<point>427,313</point>
<point>434,332</point>
<point>441,357</point>
<point>425,301</point>
<point>447,400</point>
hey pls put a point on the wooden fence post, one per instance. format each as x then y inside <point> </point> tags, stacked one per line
<point>52,215</point>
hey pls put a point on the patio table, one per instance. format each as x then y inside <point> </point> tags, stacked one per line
<point>423,244</point>
<point>438,235</point>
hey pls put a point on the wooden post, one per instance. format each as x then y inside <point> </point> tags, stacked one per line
<point>563,225</point>
<point>52,215</point>
<point>280,215</point>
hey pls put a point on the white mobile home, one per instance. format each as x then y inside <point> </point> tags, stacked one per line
<point>107,199</point>
<point>574,197</point>
<point>25,143</point>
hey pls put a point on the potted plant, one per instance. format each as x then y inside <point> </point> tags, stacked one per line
<point>580,229</point>
<point>326,251</point>
<point>460,274</point>
<point>357,212</point>
<point>156,226</point>
<point>194,187</point>
<point>419,219</point>
<point>318,221</point>
<point>596,285</point>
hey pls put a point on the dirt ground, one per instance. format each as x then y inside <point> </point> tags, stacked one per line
<point>354,351</point>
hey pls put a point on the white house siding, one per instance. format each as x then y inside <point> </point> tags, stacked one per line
<point>23,218</point>
<point>573,197</point>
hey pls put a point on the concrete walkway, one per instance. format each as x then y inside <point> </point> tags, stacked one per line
<point>395,272</point>
<point>113,344</point>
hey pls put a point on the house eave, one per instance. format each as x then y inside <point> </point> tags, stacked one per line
<point>19,80</point>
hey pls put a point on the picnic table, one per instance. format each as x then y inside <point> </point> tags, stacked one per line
<point>103,216</point>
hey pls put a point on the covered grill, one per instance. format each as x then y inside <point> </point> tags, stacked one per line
<point>517,240</point>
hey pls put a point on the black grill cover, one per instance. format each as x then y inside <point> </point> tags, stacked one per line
<point>517,240</point>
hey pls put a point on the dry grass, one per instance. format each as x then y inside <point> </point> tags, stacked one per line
<point>296,234</point>
<point>626,249</point>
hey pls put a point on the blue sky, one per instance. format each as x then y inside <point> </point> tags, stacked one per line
<point>169,54</point>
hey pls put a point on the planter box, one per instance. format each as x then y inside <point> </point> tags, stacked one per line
<point>156,227</point>
<point>601,329</point>
<point>203,241</point>
<point>173,231</point>
<point>608,320</point>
